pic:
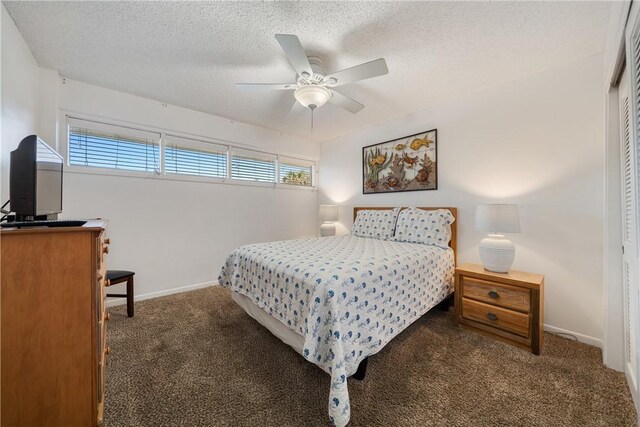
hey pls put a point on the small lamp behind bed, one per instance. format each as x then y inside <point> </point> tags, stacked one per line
<point>328,214</point>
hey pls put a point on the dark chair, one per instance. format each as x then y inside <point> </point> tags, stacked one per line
<point>119,276</point>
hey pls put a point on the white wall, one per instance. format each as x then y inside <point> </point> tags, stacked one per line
<point>19,93</point>
<point>537,142</point>
<point>174,234</point>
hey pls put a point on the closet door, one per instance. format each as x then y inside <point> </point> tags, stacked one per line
<point>630,131</point>
<point>628,145</point>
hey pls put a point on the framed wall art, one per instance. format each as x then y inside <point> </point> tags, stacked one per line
<point>403,164</point>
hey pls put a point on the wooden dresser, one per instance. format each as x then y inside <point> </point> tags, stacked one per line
<point>506,306</point>
<point>53,325</point>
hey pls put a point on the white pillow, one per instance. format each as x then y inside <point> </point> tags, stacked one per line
<point>379,224</point>
<point>422,226</point>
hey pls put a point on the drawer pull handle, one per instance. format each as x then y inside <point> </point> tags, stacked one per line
<point>494,294</point>
<point>107,350</point>
<point>492,316</point>
<point>105,249</point>
<point>107,316</point>
<point>107,241</point>
<point>107,283</point>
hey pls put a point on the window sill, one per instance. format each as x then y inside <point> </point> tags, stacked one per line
<point>185,178</point>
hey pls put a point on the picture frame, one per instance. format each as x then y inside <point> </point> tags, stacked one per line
<point>409,163</point>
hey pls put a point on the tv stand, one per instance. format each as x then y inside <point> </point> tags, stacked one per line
<point>48,217</point>
<point>44,223</point>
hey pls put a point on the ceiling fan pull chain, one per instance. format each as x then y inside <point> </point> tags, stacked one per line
<point>312,120</point>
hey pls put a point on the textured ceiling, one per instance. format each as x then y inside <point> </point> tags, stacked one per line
<point>191,53</point>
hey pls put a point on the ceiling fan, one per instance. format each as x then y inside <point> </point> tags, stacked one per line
<point>312,87</point>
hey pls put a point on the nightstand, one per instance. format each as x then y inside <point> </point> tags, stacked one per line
<point>507,306</point>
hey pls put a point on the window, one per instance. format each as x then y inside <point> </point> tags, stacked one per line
<point>190,157</point>
<point>93,144</point>
<point>104,146</point>
<point>251,165</point>
<point>296,172</point>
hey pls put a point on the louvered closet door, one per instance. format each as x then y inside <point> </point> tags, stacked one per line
<point>629,228</point>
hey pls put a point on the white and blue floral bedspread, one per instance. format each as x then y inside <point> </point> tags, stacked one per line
<point>346,295</point>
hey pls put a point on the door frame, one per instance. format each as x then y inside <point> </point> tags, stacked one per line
<point>615,61</point>
<point>613,332</point>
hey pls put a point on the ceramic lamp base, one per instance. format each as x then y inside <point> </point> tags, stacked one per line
<point>327,229</point>
<point>497,253</point>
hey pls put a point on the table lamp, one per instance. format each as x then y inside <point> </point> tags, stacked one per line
<point>496,251</point>
<point>328,214</point>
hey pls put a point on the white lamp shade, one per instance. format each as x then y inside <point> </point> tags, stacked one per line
<point>497,218</point>
<point>328,213</point>
<point>312,96</point>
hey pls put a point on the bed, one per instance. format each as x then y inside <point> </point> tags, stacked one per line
<point>338,300</point>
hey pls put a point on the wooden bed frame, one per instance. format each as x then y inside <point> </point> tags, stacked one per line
<point>453,244</point>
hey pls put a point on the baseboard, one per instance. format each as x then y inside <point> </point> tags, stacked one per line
<point>586,339</point>
<point>119,301</point>
<point>633,386</point>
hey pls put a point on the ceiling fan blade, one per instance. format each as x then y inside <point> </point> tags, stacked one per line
<point>296,54</point>
<point>345,102</point>
<point>262,86</point>
<point>364,71</point>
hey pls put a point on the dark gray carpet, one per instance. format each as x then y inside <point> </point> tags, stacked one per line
<point>196,359</point>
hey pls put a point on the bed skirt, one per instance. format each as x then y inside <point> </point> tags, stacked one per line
<point>276,327</point>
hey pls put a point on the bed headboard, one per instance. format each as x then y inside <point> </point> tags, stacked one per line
<point>453,244</point>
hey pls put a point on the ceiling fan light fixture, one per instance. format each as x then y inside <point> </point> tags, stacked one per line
<point>312,96</point>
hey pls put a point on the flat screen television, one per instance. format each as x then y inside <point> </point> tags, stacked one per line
<point>35,180</point>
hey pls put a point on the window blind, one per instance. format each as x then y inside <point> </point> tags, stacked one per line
<point>184,156</point>
<point>295,172</point>
<point>251,165</point>
<point>100,145</point>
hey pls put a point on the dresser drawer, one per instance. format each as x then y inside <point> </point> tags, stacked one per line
<point>499,318</point>
<point>501,295</point>
<point>100,363</point>
<point>101,386</point>
<point>103,249</point>
<point>100,295</point>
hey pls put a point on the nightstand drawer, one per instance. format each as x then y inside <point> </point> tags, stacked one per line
<point>492,293</point>
<point>499,318</point>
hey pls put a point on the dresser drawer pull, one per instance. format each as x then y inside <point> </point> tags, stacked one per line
<point>107,316</point>
<point>105,249</point>
<point>107,241</point>
<point>107,283</point>
<point>494,294</point>
<point>107,350</point>
<point>492,316</point>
